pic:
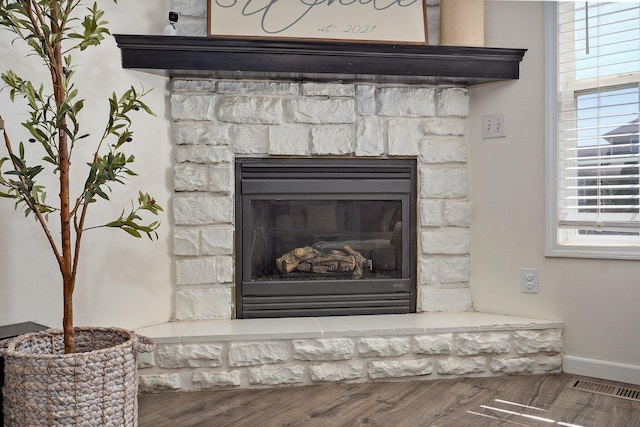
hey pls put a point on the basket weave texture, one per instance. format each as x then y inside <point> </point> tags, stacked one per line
<point>95,386</point>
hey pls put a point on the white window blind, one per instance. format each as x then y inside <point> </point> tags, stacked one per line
<point>598,123</point>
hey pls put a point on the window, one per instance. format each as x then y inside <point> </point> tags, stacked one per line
<point>593,87</point>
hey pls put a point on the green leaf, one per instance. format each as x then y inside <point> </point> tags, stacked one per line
<point>132,231</point>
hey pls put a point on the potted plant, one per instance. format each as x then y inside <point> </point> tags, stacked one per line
<point>79,376</point>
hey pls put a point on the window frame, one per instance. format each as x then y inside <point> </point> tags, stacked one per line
<point>611,247</point>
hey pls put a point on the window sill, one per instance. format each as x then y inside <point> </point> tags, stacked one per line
<point>593,252</point>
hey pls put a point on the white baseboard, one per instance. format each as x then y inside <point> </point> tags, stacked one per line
<point>602,369</point>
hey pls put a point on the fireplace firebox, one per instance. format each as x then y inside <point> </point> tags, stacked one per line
<point>324,237</point>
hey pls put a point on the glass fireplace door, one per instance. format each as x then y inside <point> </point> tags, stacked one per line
<point>319,239</point>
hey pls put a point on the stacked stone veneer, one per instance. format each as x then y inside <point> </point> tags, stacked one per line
<point>215,121</point>
<point>256,363</point>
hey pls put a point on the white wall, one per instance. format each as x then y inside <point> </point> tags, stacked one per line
<point>597,300</point>
<point>122,281</point>
<point>127,282</point>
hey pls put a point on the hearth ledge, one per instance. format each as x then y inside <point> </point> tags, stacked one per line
<point>227,330</point>
<point>257,353</point>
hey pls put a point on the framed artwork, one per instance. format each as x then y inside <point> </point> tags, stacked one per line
<point>399,21</point>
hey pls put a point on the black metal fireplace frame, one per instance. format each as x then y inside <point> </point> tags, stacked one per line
<point>325,178</point>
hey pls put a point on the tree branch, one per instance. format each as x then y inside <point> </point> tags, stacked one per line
<point>29,203</point>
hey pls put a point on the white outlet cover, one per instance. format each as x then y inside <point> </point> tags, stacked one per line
<point>529,280</point>
<point>494,126</point>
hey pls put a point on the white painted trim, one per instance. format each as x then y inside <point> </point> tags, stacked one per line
<point>551,100</point>
<point>602,369</point>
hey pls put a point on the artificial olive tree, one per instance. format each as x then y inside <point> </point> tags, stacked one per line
<point>55,31</point>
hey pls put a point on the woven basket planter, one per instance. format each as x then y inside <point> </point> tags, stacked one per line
<point>96,386</point>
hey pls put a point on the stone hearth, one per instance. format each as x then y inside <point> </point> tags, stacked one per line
<point>245,353</point>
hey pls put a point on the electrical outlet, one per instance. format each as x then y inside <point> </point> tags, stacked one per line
<point>494,126</point>
<point>529,280</point>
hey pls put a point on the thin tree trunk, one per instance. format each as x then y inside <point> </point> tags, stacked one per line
<point>68,275</point>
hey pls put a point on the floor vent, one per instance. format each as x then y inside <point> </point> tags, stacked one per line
<point>606,389</point>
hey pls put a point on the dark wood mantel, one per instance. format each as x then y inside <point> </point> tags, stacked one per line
<point>317,60</point>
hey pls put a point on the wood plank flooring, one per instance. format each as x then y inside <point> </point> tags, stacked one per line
<point>543,400</point>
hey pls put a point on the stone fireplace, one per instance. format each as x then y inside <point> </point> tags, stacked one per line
<point>218,121</point>
<point>236,101</point>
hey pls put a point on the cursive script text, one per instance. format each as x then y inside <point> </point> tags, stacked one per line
<point>296,10</point>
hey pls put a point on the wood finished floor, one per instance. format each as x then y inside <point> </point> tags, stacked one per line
<point>543,400</point>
